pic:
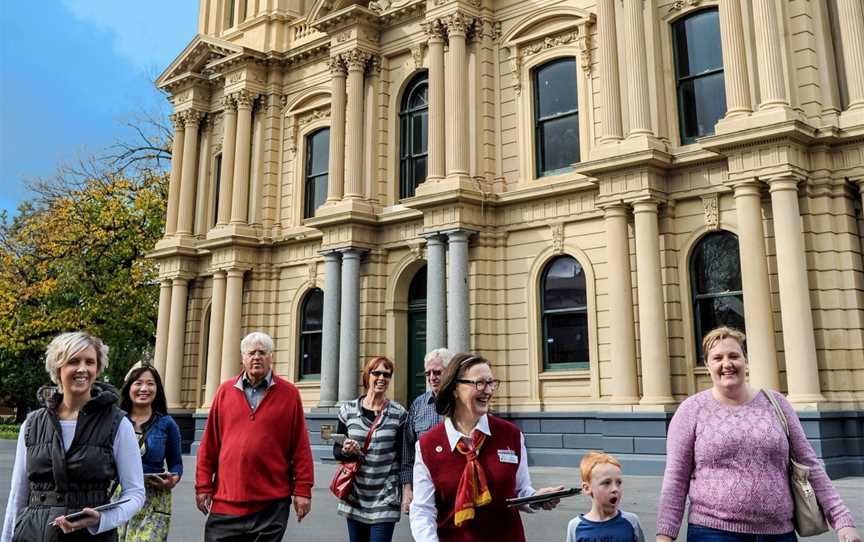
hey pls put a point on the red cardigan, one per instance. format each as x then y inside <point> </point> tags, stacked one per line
<point>247,460</point>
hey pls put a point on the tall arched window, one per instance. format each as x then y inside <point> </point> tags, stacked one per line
<point>556,116</point>
<point>699,74</point>
<point>413,135</point>
<point>715,279</point>
<point>564,310</point>
<point>317,160</point>
<point>311,318</point>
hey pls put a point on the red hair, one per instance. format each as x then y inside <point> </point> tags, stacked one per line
<point>370,366</point>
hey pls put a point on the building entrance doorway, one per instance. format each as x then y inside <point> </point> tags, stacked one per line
<point>416,335</point>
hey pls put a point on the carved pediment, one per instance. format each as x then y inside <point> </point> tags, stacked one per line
<point>323,8</point>
<point>201,51</point>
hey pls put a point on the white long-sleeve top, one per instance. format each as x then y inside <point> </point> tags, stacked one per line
<point>127,457</point>
<point>423,514</point>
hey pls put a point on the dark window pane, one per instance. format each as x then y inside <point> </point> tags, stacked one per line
<point>418,96</point>
<point>413,136</point>
<point>420,131</point>
<point>319,151</point>
<point>703,103</point>
<point>697,42</point>
<point>419,170</point>
<point>320,190</point>
<point>310,354</point>
<point>717,264</point>
<point>556,88</point>
<point>566,338</point>
<point>559,143</point>
<point>312,311</point>
<point>417,289</point>
<point>564,285</point>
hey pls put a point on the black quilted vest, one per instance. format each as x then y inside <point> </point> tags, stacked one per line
<point>64,481</point>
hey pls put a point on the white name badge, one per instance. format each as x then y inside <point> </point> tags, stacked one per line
<point>507,456</point>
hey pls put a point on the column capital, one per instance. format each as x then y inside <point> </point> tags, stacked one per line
<point>458,236</point>
<point>434,30</point>
<point>228,103</point>
<point>244,99</point>
<point>330,254</point>
<point>337,67</point>
<point>192,117</point>
<point>351,252</point>
<point>434,238</point>
<point>617,208</point>
<point>747,187</point>
<point>788,181</point>
<point>177,120</point>
<point>458,23</point>
<point>356,59</point>
<point>646,205</point>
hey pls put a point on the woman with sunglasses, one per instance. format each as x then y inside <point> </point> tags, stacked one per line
<point>469,465</point>
<point>372,509</point>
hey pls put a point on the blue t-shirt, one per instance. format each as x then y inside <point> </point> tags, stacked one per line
<point>624,527</point>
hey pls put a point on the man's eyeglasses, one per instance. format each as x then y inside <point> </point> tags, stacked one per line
<point>481,385</point>
<point>433,372</point>
<point>377,374</point>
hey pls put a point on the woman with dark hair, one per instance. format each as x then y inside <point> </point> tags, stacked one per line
<point>373,507</point>
<point>143,399</point>
<point>468,466</point>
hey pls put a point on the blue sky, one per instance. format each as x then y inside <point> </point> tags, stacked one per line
<point>73,71</point>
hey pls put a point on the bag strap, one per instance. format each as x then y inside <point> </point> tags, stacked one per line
<point>375,425</point>
<point>783,421</point>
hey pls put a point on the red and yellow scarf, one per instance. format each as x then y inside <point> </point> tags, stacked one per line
<point>473,490</point>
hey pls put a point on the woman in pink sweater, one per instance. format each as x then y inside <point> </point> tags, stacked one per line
<point>726,450</point>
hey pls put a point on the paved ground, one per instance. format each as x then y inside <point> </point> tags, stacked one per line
<point>323,524</point>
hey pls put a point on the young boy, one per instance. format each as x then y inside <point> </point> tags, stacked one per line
<point>601,480</point>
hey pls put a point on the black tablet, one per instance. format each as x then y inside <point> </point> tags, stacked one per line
<point>543,497</point>
<point>71,518</point>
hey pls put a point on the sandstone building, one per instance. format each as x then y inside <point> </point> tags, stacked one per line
<point>576,189</point>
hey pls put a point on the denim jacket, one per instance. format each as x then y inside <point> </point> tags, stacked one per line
<point>162,445</point>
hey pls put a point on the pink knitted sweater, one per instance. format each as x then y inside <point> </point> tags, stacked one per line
<point>731,461</point>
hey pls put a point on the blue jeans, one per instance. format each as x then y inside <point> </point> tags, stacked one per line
<point>370,532</point>
<point>698,533</point>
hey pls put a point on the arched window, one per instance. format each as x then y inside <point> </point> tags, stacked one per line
<point>311,318</point>
<point>413,135</point>
<point>564,310</point>
<point>317,160</point>
<point>715,279</point>
<point>556,116</point>
<point>699,74</point>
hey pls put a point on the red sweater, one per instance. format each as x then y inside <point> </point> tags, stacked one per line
<point>494,521</point>
<point>247,460</point>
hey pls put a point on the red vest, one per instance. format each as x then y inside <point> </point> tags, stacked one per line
<point>494,521</point>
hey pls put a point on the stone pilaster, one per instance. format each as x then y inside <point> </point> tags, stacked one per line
<point>226,175</point>
<point>653,339</point>
<point>356,61</point>
<point>242,156</point>
<point>349,325</point>
<point>734,59</point>
<point>456,89</point>
<point>436,293</point>
<point>437,167</point>
<point>176,342</point>
<point>176,174</point>
<point>635,47</point>
<point>214,339</point>
<point>232,332</point>
<point>799,342</point>
<point>772,87</point>
<point>622,337</point>
<point>330,331</point>
<point>336,167</point>
<point>610,89</point>
<point>162,321</point>
<point>851,16</point>
<point>458,318</point>
<point>188,179</point>
<point>758,315</point>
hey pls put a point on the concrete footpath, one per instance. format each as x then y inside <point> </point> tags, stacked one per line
<point>324,524</point>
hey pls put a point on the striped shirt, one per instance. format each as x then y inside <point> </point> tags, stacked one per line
<point>421,418</point>
<point>376,496</point>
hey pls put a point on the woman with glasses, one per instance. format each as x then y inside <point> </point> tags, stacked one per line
<point>372,509</point>
<point>469,465</point>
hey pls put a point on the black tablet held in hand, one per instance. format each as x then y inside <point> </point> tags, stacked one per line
<point>539,498</point>
<point>76,516</point>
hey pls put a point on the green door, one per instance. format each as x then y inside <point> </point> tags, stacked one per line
<point>416,335</point>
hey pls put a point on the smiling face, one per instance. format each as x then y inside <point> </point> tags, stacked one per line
<point>727,365</point>
<point>143,389</point>
<point>79,372</point>
<point>468,397</point>
<point>434,370</point>
<point>379,378</point>
<point>257,362</point>
<point>605,488</point>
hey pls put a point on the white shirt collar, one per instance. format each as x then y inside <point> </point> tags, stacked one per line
<point>453,435</point>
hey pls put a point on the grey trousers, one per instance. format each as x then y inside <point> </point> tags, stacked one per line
<point>268,525</point>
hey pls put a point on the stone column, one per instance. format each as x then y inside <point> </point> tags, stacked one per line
<point>761,353</point>
<point>188,179</point>
<point>240,193</point>
<point>214,340</point>
<point>610,89</point>
<point>226,174</point>
<point>162,321</point>
<point>623,338</point>
<point>734,59</point>
<point>349,328</point>
<point>356,61</point>
<point>330,331</point>
<point>456,86</point>
<point>653,340</point>
<point>799,342</point>
<point>436,162</point>
<point>231,336</point>
<point>436,293</point>
<point>458,317</point>
<point>176,342</point>
<point>772,87</point>
<point>851,16</point>
<point>336,165</point>
<point>635,48</point>
<point>176,173</point>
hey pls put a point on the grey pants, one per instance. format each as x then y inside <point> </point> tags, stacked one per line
<point>268,525</point>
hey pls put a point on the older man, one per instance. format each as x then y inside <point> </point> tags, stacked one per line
<point>254,455</point>
<point>421,418</point>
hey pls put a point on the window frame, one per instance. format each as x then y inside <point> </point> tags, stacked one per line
<point>217,187</point>
<point>407,158</point>
<point>537,122</point>
<point>545,364</point>
<point>309,179</point>
<point>301,333</point>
